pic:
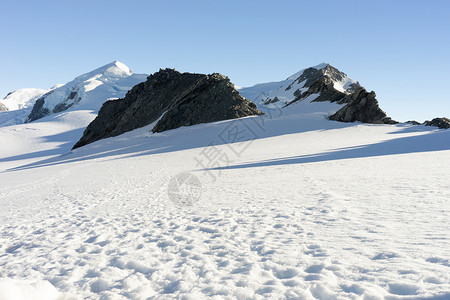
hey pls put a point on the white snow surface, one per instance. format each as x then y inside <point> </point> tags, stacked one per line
<point>19,104</point>
<point>296,207</point>
<point>23,98</point>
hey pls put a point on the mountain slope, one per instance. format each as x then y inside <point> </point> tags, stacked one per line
<point>321,83</point>
<point>88,91</point>
<point>173,99</point>
<point>23,98</point>
<point>292,87</point>
<point>17,105</point>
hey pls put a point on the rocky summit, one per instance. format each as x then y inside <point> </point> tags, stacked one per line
<point>360,105</point>
<point>171,99</point>
<point>323,83</point>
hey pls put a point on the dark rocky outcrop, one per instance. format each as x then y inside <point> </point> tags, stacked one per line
<point>312,75</point>
<point>3,107</point>
<point>321,81</point>
<point>176,99</point>
<point>413,122</point>
<point>39,111</point>
<point>361,106</point>
<point>442,123</point>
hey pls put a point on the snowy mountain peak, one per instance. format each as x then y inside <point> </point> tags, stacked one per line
<point>88,91</point>
<point>117,68</point>
<point>113,69</point>
<point>317,67</point>
<point>296,85</point>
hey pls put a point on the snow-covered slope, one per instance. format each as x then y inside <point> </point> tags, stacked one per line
<point>23,98</point>
<point>293,206</point>
<point>88,91</point>
<point>19,104</point>
<point>283,92</point>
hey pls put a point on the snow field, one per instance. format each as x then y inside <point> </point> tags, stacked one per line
<point>310,209</point>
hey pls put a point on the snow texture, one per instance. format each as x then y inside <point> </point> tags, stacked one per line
<point>19,104</point>
<point>294,207</point>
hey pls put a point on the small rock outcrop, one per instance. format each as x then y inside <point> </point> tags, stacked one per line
<point>361,106</point>
<point>38,111</point>
<point>413,122</point>
<point>3,107</point>
<point>442,123</point>
<point>173,99</point>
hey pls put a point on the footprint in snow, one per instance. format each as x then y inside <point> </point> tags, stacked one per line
<point>384,255</point>
<point>438,260</point>
<point>314,268</point>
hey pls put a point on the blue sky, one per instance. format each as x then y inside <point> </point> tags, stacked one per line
<point>399,49</point>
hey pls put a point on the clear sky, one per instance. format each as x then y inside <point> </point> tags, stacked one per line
<point>399,49</point>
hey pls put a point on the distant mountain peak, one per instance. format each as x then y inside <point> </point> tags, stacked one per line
<point>320,83</point>
<point>91,89</point>
<point>291,89</point>
<point>299,73</point>
<point>113,69</point>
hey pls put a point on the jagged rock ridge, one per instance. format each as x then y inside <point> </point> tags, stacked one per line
<point>323,83</point>
<point>176,99</point>
<point>331,84</point>
<point>361,106</point>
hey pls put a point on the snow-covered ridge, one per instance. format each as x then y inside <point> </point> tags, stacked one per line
<point>110,81</point>
<point>287,90</point>
<point>299,73</point>
<point>23,98</point>
<point>86,92</point>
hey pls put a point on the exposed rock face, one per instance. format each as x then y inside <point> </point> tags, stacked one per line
<point>324,87</point>
<point>175,99</point>
<point>38,111</point>
<point>443,123</point>
<point>3,107</point>
<point>322,83</point>
<point>413,122</point>
<point>302,84</point>
<point>362,106</point>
